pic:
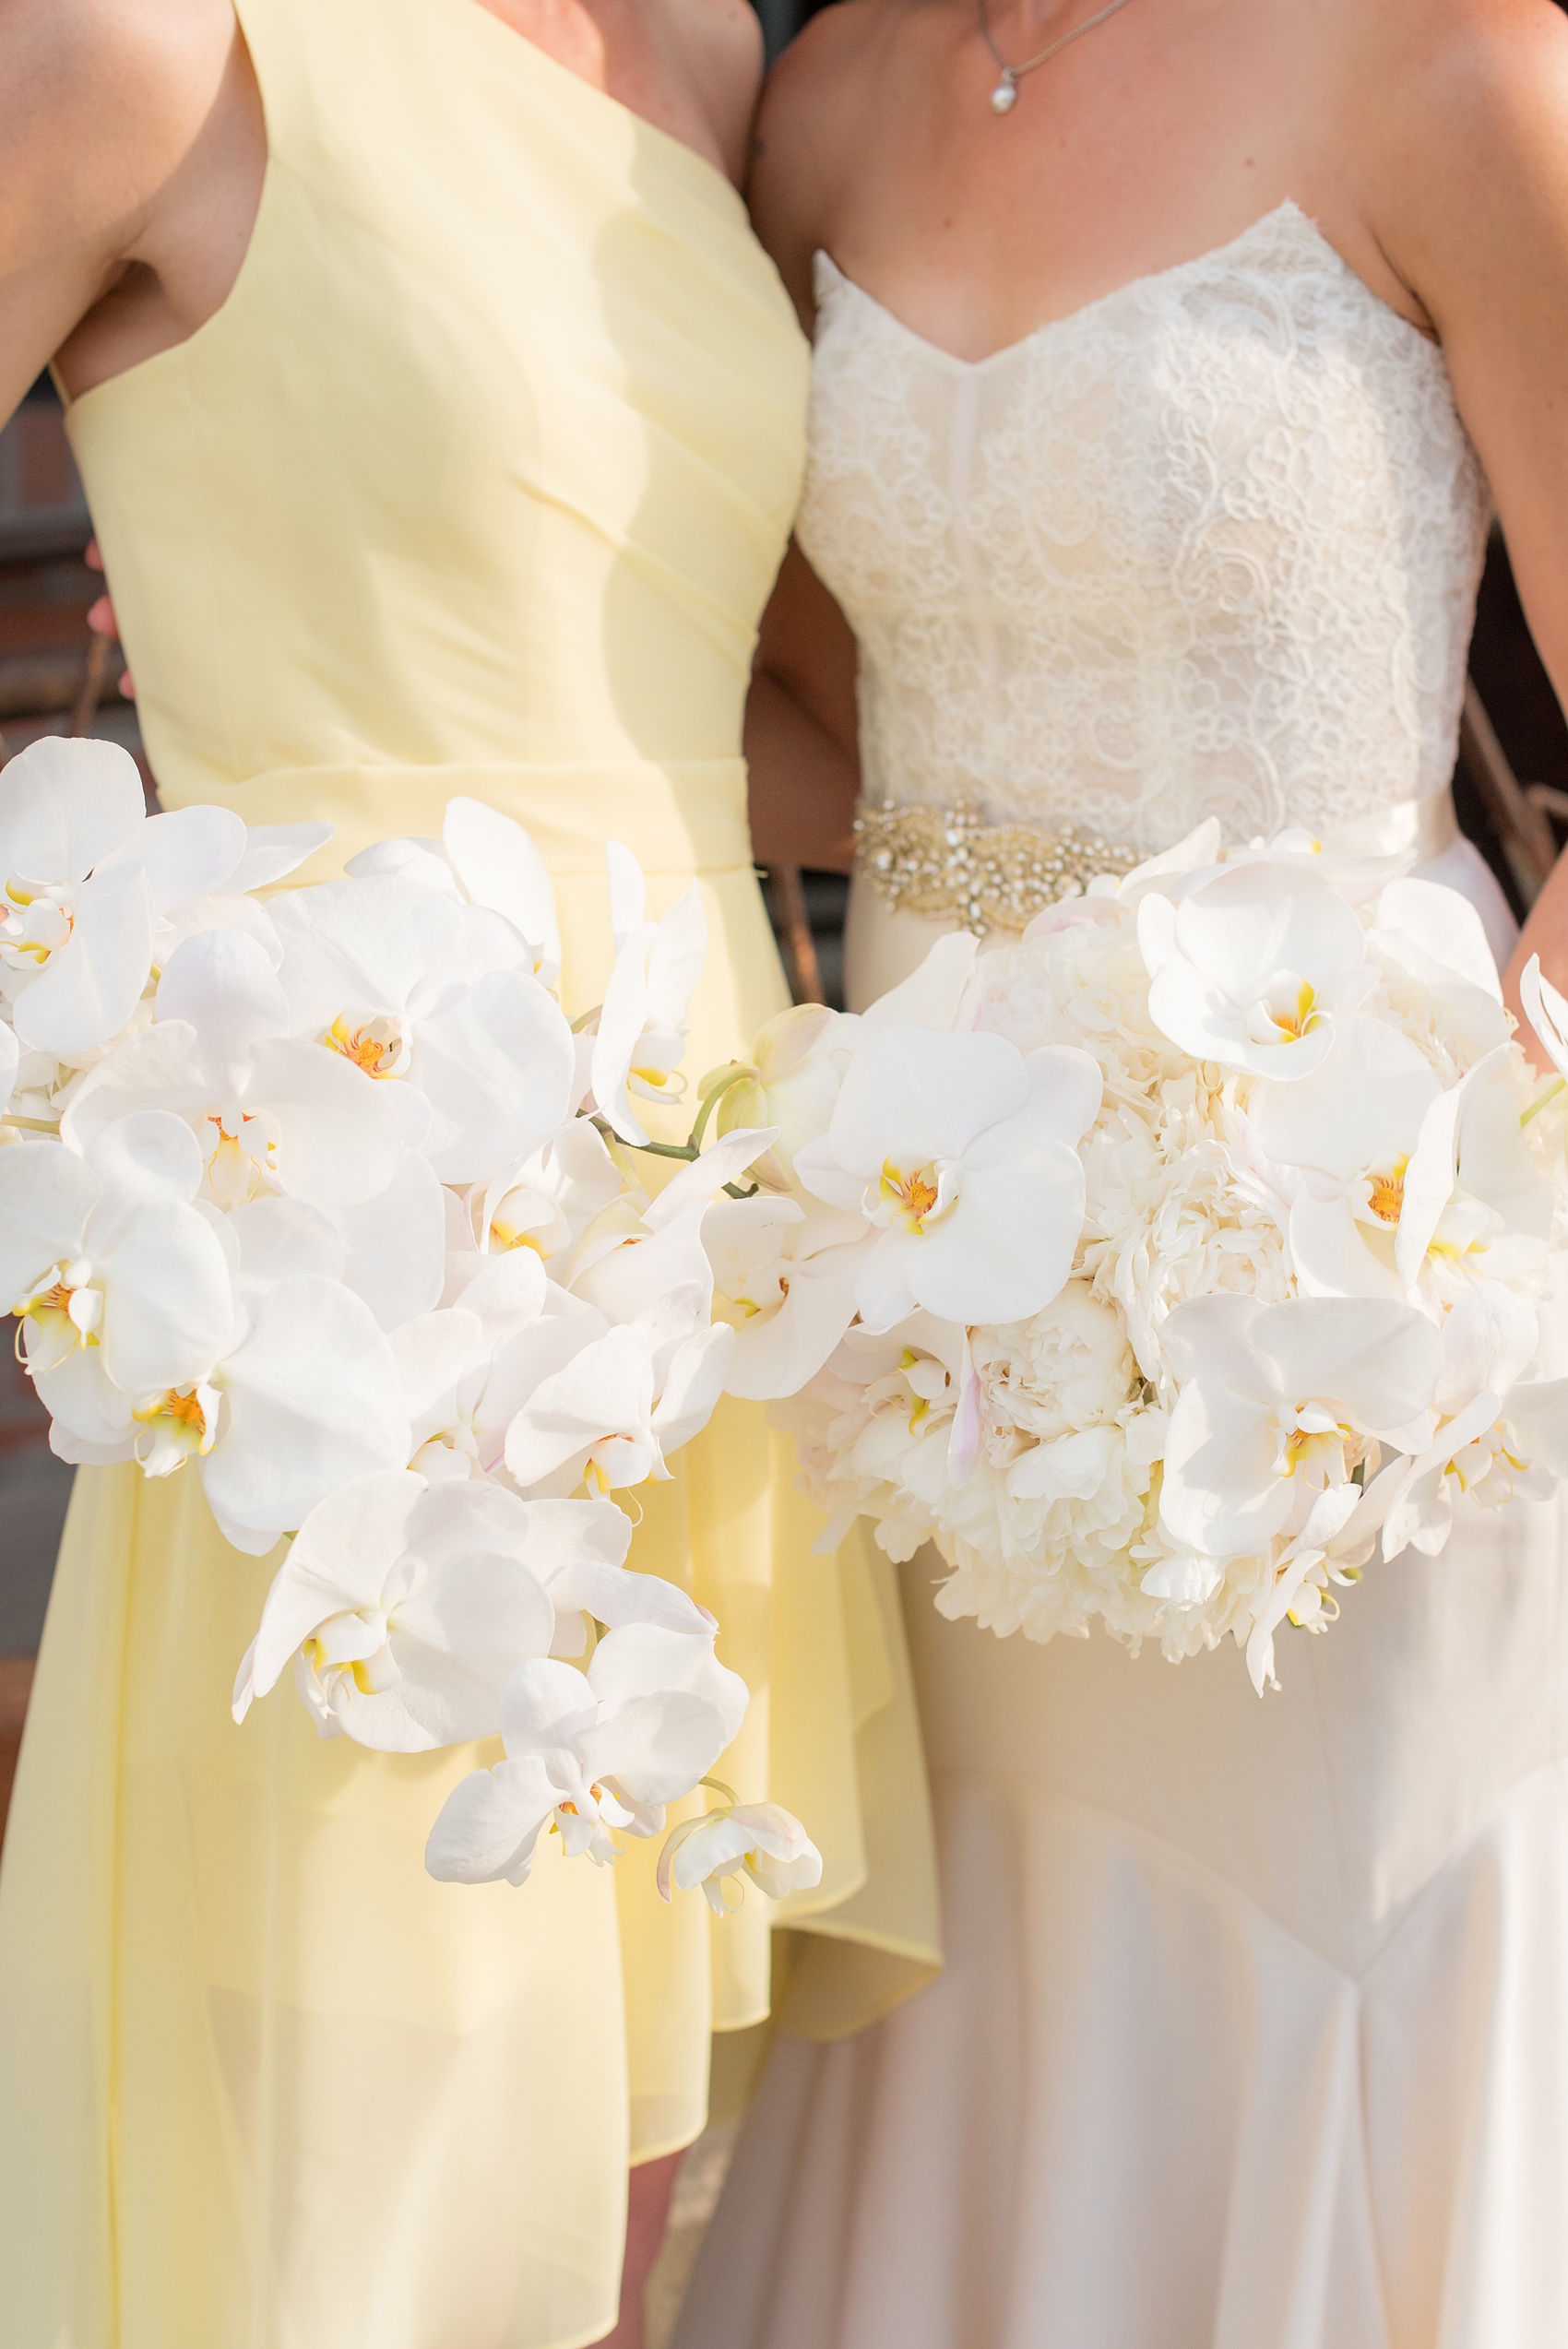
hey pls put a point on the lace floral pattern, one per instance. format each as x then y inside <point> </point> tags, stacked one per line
<point>1209,547</point>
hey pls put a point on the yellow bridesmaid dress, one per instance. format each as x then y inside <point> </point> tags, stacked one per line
<point>475,483</point>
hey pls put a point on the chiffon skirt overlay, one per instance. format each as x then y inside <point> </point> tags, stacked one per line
<point>263,2084</point>
<point>1253,2027</point>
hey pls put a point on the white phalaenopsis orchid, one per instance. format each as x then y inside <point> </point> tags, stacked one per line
<point>663,1252</point>
<point>789,1271</point>
<point>755,1842</point>
<point>453,1365</point>
<point>1498,1435</point>
<point>565,1201</point>
<point>1435,953</point>
<point>1255,968</point>
<point>1314,1144</point>
<point>642,1022</point>
<point>270,1110</point>
<point>122,1287</point>
<point>959,1152</point>
<point>1477,1205</point>
<point>481,858</point>
<point>310,1400</point>
<point>405,1607</point>
<point>1349,1129</point>
<point>315,1199</point>
<point>85,878</point>
<point>790,1082</point>
<point>613,1410</point>
<point>1276,1401</point>
<point>499,867</point>
<point>422,993</point>
<point>1340,1535</point>
<point>591,1754</point>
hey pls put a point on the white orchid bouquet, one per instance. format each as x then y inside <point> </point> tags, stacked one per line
<point>324,1201</point>
<point>1164,1265</point>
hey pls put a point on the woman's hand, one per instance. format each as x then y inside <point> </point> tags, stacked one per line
<point>1546,934</point>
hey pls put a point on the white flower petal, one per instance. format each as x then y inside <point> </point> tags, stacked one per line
<point>46,1196</point>
<point>89,987</point>
<point>311,1401</point>
<point>501,868</point>
<point>395,1244</point>
<point>65,806</point>
<point>274,850</point>
<point>189,853</point>
<point>337,1562</point>
<point>221,984</point>
<point>489,1825</point>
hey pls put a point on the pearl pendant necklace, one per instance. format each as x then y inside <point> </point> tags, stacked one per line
<point>1004,97</point>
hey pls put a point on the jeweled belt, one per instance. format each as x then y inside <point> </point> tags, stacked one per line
<point>948,864</point>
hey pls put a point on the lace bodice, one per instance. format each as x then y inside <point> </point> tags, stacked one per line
<point>1207,546</point>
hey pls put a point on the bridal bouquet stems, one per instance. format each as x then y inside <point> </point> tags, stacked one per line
<point>325,1202</point>
<point>1166,1266</point>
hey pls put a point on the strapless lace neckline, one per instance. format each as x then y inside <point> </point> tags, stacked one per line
<point>1206,546</point>
<point>1234,248</point>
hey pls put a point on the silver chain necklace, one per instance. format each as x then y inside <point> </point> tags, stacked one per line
<point>1004,97</point>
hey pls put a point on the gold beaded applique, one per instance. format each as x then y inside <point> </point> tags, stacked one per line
<point>948,865</point>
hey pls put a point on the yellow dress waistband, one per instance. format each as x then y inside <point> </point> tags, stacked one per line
<point>678,817</point>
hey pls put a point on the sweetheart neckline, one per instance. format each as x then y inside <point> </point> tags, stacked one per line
<point>1288,210</point>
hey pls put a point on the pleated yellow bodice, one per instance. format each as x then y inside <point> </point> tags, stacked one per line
<point>476,482</point>
<point>486,463</point>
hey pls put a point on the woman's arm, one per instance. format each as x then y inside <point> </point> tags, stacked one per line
<point>800,722</point>
<point>132,152</point>
<point>1463,136</point>
<point>800,727</point>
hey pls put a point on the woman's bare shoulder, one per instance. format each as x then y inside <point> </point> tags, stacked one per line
<point>99,103</point>
<point>723,41</point>
<point>1437,72</point>
<point>814,96</point>
<point>1456,113</point>
<point>826,62</point>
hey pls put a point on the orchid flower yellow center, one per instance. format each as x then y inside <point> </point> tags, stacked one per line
<point>1313,1438</point>
<point>240,1156</point>
<point>505,1235</point>
<point>33,923</point>
<point>180,1422</point>
<point>1479,1462</point>
<point>65,1306</point>
<point>912,1199</point>
<point>1286,1011</point>
<point>1385,1194</point>
<point>353,1651</point>
<point>377,1045</point>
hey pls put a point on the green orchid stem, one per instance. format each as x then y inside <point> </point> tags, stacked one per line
<point>731,1797</point>
<point>32,1125</point>
<point>738,1076</point>
<point>688,1152</point>
<point>1552,1090</point>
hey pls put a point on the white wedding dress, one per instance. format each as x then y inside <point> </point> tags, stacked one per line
<point>1253,2032</point>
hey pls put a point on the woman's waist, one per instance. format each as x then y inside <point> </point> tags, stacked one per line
<point>677,816</point>
<point>962,859</point>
